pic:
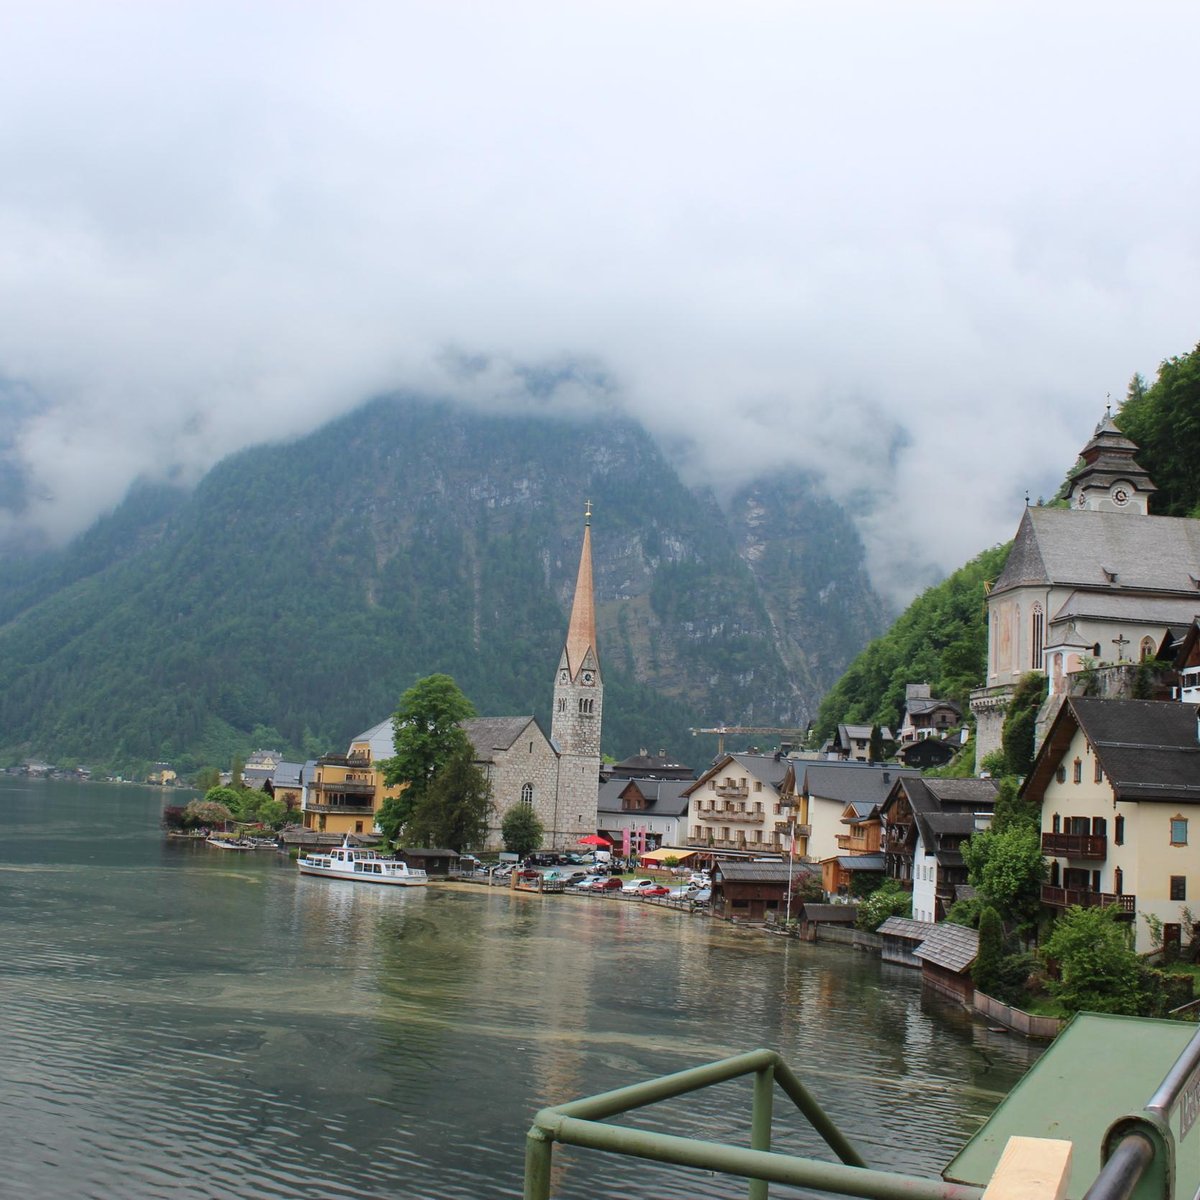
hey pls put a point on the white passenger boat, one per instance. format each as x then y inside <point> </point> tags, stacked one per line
<point>363,866</point>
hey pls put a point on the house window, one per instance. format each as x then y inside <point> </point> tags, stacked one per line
<point>1098,772</point>
<point>758,785</point>
<point>1178,887</point>
<point>527,794</point>
<point>1119,881</point>
<point>1056,824</point>
<point>1099,827</point>
<point>1119,831</point>
<point>1179,831</point>
<point>1078,775</point>
<point>1039,629</point>
<point>1061,774</point>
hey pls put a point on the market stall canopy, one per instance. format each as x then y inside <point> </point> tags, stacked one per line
<point>657,856</point>
<point>593,839</point>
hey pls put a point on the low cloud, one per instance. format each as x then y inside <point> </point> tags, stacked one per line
<point>911,248</point>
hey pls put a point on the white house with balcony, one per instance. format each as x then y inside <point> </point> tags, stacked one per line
<point>736,805</point>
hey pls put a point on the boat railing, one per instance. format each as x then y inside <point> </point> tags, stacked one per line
<point>1139,1152</point>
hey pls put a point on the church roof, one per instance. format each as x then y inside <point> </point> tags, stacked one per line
<point>581,632</point>
<point>489,734</point>
<point>1154,610</point>
<point>1111,551</point>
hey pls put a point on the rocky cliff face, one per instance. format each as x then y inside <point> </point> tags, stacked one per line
<point>302,587</point>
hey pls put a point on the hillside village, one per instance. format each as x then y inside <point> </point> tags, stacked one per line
<point>1097,609</point>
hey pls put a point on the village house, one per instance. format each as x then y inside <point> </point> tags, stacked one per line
<point>853,742</point>
<point>925,822</point>
<point>754,891</point>
<point>924,716</point>
<point>1118,782</point>
<point>735,805</point>
<point>826,791</point>
<point>654,812</point>
<point>644,765</point>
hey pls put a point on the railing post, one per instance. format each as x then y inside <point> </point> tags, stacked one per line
<point>539,1152</point>
<point>760,1123</point>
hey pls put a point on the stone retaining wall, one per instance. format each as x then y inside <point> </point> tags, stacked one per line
<point>1043,1028</point>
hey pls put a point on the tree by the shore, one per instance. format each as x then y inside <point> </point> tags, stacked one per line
<point>521,831</point>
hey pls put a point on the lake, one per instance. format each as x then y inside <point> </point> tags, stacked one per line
<point>185,1022</point>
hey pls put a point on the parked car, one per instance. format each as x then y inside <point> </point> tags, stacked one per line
<point>703,896</point>
<point>684,892</point>
<point>657,890</point>
<point>636,886</point>
<point>611,884</point>
<point>586,883</point>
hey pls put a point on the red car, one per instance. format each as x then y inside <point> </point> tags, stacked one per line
<point>613,884</point>
<point>656,890</point>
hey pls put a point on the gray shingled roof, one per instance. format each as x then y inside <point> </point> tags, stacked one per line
<point>489,734</point>
<point>833,914</point>
<point>906,927</point>
<point>1072,547</point>
<point>980,793</point>
<point>1149,749</point>
<point>849,783</point>
<point>920,705</point>
<point>951,946</point>
<point>758,872</point>
<point>664,797</point>
<point>287,774</point>
<point>1150,610</point>
<point>861,862</point>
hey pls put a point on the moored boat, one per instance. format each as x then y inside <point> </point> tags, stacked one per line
<point>362,866</point>
<point>230,843</point>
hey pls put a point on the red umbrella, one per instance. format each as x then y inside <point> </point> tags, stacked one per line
<point>593,839</point>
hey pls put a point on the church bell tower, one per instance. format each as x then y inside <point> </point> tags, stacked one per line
<point>578,708</point>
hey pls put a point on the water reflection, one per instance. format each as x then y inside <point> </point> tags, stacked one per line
<point>180,1025</point>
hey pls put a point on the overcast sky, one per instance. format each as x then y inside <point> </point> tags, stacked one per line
<point>909,245</point>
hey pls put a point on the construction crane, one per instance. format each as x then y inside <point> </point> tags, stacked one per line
<point>722,730</point>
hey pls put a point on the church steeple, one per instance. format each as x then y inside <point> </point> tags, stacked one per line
<point>581,632</point>
<point>578,686</point>
<point>1109,480</point>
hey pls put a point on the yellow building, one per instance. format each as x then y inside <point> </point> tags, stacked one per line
<point>1118,782</point>
<point>341,793</point>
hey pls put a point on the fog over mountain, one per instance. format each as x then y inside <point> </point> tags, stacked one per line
<point>908,247</point>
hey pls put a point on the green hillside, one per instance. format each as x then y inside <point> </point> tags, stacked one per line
<point>301,588</point>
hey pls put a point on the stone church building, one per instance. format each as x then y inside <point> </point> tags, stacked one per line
<point>557,776</point>
<point>1099,582</point>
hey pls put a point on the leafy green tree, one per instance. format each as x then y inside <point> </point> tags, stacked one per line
<point>521,831</point>
<point>1012,808</point>
<point>228,797</point>
<point>427,733</point>
<point>888,900</point>
<point>1007,870</point>
<point>456,810</point>
<point>266,810</point>
<point>1098,969</point>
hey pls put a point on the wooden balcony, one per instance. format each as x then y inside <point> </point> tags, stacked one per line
<point>1075,845</point>
<point>802,830</point>
<point>1057,897</point>
<point>736,790</point>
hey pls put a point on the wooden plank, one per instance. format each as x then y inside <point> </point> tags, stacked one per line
<point>1031,1169</point>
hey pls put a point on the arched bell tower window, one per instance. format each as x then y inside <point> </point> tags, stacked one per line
<point>1147,649</point>
<point>527,795</point>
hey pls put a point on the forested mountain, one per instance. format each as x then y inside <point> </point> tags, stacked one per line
<point>941,638</point>
<point>292,597</point>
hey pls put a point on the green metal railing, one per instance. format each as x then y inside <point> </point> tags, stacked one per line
<point>582,1123</point>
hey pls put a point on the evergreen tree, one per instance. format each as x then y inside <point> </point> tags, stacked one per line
<point>456,810</point>
<point>986,972</point>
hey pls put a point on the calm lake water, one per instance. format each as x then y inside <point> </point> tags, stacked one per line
<point>181,1022</point>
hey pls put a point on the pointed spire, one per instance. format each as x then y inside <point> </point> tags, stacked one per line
<point>581,633</point>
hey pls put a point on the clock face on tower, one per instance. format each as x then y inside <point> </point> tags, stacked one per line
<point>1120,495</point>
<point>588,677</point>
<point>564,677</point>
